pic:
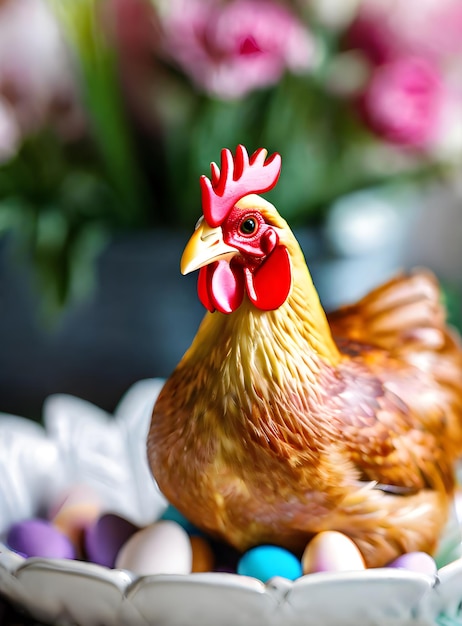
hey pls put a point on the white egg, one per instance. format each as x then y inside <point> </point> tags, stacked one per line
<point>331,551</point>
<point>162,548</point>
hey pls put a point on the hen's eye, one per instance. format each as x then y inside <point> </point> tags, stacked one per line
<point>248,226</point>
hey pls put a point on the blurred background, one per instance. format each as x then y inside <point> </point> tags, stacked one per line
<point>110,110</point>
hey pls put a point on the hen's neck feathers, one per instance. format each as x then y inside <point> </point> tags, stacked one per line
<point>302,315</point>
<point>295,338</point>
<point>257,359</point>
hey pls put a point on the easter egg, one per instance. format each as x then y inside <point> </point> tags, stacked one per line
<point>78,508</point>
<point>203,558</point>
<point>173,515</point>
<point>162,548</point>
<point>105,537</point>
<point>331,551</point>
<point>265,562</point>
<point>420,562</point>
<point>37,537</point>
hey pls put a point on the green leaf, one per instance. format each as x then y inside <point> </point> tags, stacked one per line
<point>82,21</point>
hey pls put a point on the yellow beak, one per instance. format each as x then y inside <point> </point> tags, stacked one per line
<point>205,246</point>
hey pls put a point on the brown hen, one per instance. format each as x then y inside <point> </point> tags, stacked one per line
<point>280,422</point>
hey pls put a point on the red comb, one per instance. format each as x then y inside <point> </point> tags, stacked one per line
<point>236,178</point>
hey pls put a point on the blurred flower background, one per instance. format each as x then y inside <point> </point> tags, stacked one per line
<point>111,109</point>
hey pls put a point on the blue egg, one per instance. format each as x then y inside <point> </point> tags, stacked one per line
<point>264,562</point>
<point>173,515</point>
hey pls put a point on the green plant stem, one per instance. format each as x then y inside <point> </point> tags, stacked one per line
<point>101,90</point>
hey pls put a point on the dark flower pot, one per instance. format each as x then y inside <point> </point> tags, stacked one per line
<point>136,324</point>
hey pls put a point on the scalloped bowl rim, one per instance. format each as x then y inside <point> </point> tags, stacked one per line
<point>117,597</point>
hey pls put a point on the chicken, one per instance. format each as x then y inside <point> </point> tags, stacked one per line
<point>281,422</point>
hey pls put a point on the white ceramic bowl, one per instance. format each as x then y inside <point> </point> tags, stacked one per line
<point>82,444</point>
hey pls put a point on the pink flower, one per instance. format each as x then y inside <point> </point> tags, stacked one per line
<point>229,50</point>
<point>403,102</point>
<point>386,29</point>
<point>36,78</point>
<point>411,46</point>
<point>369,35</point>
<point>133,29</point>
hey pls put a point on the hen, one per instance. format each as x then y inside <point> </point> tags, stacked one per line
<point>280,422</point>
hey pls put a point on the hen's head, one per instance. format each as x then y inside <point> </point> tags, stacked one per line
<point>237,242</point>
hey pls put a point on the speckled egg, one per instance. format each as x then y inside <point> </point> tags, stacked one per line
<point>265,562</point>
<point>162,548</point>
<point>38,537</point>
<point>104,539</point>
<point>331,551</point>
<point>420,562</point>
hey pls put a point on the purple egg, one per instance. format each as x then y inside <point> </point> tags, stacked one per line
<point>104,539</point>
<point>37,537</point>
<point>420,562</point>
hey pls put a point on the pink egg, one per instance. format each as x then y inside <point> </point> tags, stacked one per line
<point>331,551</point>
<point>420,562</point>
<point>162,548</point>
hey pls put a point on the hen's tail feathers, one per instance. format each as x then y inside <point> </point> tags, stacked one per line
<point>406,317</point>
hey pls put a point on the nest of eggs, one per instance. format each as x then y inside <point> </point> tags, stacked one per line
<point>78,500</point>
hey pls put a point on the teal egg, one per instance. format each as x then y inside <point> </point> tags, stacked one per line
<point>264,562</point>
<point>171,514</point>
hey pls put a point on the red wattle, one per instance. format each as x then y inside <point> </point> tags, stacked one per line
<point>203,288</point>
<point>269,285</point>
<point>226,287</point>
<point>221,287</point>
